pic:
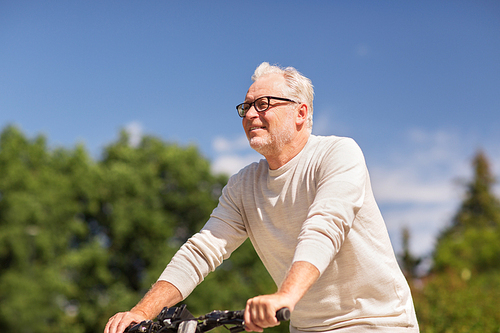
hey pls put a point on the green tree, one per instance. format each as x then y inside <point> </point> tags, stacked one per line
<point>81,239</point>
<point>37,221</point>
<point>409,263</point>
<point>186,193</point>
<point>472,242</point>
<point>461,293</point>
<point>480,208</point>
<point>152,197</point>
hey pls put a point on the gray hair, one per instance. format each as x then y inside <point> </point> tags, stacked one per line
<point>298,87</point>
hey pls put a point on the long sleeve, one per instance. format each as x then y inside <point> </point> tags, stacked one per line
<point>206,250</point>
<point>340,191</point>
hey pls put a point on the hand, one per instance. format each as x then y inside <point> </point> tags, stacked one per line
<point>120,321</point>
<point>260,312</point>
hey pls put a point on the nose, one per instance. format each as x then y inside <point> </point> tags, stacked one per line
<point>252,112</point>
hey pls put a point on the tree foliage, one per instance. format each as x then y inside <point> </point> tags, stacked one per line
<point>472,242</point>
<point>82,239</point>
<point>461,292</point>
<point>408,262</point>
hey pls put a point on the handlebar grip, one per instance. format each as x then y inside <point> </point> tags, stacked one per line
<point>283,314</point>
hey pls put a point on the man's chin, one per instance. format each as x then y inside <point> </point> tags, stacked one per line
<point>258,145</point>
<point>262,148</point>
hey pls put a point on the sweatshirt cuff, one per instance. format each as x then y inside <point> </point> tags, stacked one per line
<point>179,278</point>
<point>314,253</point>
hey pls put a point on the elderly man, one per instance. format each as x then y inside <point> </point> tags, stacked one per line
<point>309,210</point>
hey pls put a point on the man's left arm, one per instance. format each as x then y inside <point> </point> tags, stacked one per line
<point>339,195</point>
<point>260,311</point>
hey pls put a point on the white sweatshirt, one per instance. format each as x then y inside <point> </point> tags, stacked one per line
<point>318,208</point>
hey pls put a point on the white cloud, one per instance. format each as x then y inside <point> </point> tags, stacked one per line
<point>322,123</point>
<point>415,184</point>
<point>422,170</point>
<point>425,222</point>
<point>362,50</point>
<point>135,131</point>
<point>325,122</point>
<point>231,164</point>
<point>224,145</point>
<point>403,186</point>
<point>232,154</point>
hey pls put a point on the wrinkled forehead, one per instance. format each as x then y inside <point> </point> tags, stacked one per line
<point>268,85</point>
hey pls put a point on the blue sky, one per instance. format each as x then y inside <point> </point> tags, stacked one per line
<point>415,83</point>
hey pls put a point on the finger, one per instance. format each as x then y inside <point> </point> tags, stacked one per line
<point>122,326</point>
<point>118,323</point>
<point>106,329</point>
<point>125,321</point>
<point>110,325</point>
<point>250,326</point>
<point>263,313</point>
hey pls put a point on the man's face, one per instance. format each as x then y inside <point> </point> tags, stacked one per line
<point>269,131</point>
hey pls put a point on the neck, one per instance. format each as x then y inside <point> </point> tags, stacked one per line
<point>277,160</point>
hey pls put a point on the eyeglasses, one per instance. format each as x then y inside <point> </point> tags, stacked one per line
<point>261,104</point>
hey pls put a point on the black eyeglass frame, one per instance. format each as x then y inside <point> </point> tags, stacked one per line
<point>242,112</point>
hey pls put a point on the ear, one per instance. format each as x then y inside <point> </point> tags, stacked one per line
<point>302,113</point>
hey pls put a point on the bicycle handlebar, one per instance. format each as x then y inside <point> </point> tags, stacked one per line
<point>283,314</point>
<point>180,320</point>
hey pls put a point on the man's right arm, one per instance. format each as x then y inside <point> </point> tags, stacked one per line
<point>162,294</point>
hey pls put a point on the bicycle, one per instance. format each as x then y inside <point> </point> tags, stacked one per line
<point>180,320</point>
